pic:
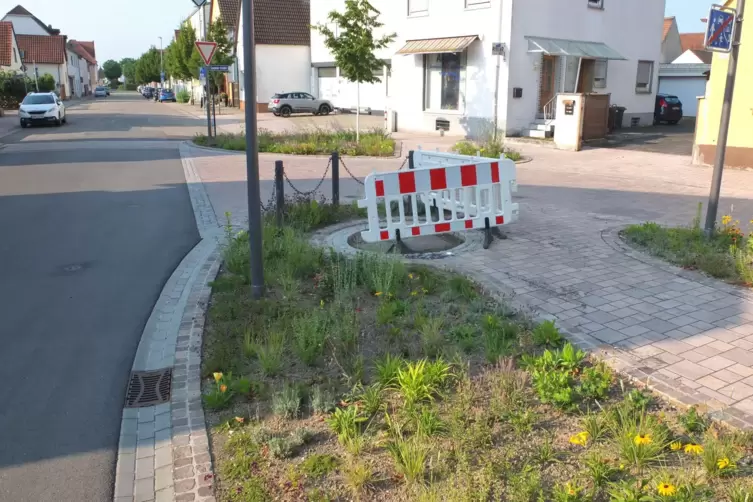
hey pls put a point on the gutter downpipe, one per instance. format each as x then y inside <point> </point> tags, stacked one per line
<point>496,76</point>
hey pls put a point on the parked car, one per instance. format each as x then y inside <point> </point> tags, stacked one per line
<point>147,92</point>
<point>156,93</point>
<point>299,102</point>
<point>100,92</point>
<point>41,108</point>
<point>166,95</point>
<point>668,108</point>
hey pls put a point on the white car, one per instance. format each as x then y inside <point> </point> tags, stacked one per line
<point>41,108</point>
<point>100,92</point>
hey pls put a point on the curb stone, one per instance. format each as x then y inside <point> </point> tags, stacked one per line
<point>163,452</point>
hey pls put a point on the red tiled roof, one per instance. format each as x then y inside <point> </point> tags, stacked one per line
<point>6,43</point>
<point>89,46</point>
<point>667,25</point>
<point>692,41</point>
<point>42,48</point>
<point>81,51</point>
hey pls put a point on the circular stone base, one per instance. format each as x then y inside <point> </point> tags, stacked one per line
<point>346,238</point>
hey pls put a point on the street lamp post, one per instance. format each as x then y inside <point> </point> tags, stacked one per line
<point>161,67</point>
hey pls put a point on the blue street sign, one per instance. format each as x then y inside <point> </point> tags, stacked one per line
<point>203,72</point>
<point>220,67</point>
<point>720,29</point>
<point>162,75</point>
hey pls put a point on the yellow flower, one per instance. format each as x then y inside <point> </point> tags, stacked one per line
<point>675,445</point>
<point>240,420</point>
<point>378,293</point>
<point>571,489</point>
<point>424,290</point>
<point>693,449</point>
<point>726,219</point>
<point>217,376</point>
<point>321,303</point>
<point>580,438</point>
<point>410,276</point>
<point>666,489</point>
<point>642,439</point>
<point>413,293</point>
<point>724,463</point>
<point>622,467</point>
<point>223,388</point>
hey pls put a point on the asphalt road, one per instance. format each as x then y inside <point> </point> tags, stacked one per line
<point>94,217</point>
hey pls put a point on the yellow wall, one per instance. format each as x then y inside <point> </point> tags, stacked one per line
<point>710,108</point>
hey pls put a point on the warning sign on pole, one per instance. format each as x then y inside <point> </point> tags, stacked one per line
<point>206,49</point>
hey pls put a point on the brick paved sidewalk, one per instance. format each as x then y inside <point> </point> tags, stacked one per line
<point>687,336</point>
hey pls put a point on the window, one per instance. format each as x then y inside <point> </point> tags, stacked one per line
<point>443,80</point>
<point>596,4</point>
<point>600,73</point>
<point>477,3</point>
<point>644,77</point>
<point>328,72</point>
<point>305,95</point>
<point>379,72</point>
<point>418,7</point>
<point>15,56</point>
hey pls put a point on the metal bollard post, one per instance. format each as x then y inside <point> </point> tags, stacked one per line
<point>410,160</point>
<point>336,178</point>
<point>279,190</point>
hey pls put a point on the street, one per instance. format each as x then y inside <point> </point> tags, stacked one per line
<point>95,216</point>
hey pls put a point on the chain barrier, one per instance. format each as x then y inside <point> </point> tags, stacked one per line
<point>405,161</point>
<point>342,163</point>
<point>316,188</point>
<point>271,200</point>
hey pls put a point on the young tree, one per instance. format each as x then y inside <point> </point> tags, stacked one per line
<point>128,65</point>
<point>113,71</point>
<point>148,66</point>
<point>46,83</point>
<point>354,45</point>
<point>185,57</point>
<point>222,56</point>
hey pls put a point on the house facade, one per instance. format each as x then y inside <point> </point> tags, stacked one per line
<point>10,58</point>
<point>78,69</point>
<point>283,49</point>
<point>91,61</point>
<point>443,72</point>
<point>739,151</point>
<point>671,43</point>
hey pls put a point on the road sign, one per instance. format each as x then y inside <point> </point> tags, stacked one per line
<point>220,67</point>
<point>206,49</point>
<point>203,75</point>
<point>498,49</point>
<point>162,75</point>
<point>720,29</point>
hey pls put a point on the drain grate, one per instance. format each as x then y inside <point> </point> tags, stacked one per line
<point>149,388</point>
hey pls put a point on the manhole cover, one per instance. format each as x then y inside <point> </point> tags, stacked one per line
<point>149,388</point>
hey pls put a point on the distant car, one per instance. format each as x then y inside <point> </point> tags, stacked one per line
<point>668,108</point>
<point>41,108</point>
<point>147,92</point>
<point>299,102</point>
<point>100,92</point>
<point>166,95</point>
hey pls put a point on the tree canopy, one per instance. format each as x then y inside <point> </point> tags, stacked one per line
<point>148,66</point>
<point>223,54</point>
<point>128,65</point>
<point>182,59</point>
<point>354,44</point>
<point>112,69</point>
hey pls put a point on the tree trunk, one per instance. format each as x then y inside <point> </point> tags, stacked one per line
<point>358,112</point>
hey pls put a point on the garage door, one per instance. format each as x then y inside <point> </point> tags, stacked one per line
<point>328,88</point>
<point>687,89</point>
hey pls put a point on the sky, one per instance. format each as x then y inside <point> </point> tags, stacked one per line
<point>123,28</point>
<point>688,13</point>
<point>126,28</point>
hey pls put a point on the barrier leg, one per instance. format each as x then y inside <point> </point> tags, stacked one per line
<point>488,238</point>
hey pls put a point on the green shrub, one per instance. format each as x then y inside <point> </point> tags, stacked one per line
<point>488,148</point>
<point>183,96</point>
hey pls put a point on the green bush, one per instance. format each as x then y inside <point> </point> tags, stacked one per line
<point>493,149</point>
<point>182,96</point>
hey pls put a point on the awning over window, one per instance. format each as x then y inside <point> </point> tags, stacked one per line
<point>559,47</point>
<point>437,45</point>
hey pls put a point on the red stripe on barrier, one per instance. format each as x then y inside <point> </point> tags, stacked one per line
<point>442,227</point>
<point>495,172</point>
<point>438,179</point>
<point>500,220</point>
<point>407,182</point>
<point>379,184</point>
<point>384,235</point>
<point>468,223</point>
<point>415,231</point>
<point>468,176</point>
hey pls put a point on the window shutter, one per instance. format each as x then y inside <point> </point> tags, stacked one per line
<point>644,73</point>
<point>600,73</point>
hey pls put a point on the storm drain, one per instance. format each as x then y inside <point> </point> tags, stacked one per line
<point>149,388</point>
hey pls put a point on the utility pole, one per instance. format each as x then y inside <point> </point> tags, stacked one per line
<point>252,154</point>
<point>36,75</point>
<point>721,142</point>
<point>161,66</point>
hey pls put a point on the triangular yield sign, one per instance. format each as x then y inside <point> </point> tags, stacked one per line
<point>206,49</point>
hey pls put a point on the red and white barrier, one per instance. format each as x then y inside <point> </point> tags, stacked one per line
<point>468,192</point>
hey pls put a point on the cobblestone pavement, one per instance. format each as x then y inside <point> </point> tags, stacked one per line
<point>687,336</point>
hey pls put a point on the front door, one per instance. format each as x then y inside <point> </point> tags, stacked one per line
<point>546,86</point>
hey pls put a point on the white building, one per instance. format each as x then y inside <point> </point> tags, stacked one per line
<point>443,68</point>
<point>283,49</point>
<point>79,63</point>
<point>686,77</point>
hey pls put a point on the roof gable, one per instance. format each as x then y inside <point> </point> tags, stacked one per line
<point>19,10</point>
<point>42,49</point>
<point>668,22</point>
<point>89,47</point>
<point>692,41</point>
<point>81,52</point>
<point>6,43</point>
